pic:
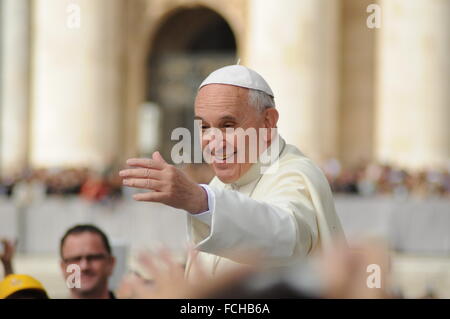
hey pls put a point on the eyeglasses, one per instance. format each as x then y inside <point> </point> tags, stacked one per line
<point>89,258</point>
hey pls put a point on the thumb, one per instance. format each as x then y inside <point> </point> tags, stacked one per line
<point>158,157</point>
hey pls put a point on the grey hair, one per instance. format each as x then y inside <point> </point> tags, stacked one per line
<point>260,100</point>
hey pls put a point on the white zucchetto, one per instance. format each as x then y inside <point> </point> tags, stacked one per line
<point>238,75</point>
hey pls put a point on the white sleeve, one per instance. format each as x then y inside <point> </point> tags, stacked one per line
<point>240,224</point>
<point>205,217</point>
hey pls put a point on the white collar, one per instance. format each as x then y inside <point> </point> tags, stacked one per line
<point>257,169</point>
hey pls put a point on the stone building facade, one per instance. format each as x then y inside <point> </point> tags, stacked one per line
<point>76,74</point>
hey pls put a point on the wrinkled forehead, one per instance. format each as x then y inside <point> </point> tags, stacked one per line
<point>221,95</point>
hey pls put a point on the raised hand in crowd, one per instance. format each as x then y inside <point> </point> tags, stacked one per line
<point>7,254</point>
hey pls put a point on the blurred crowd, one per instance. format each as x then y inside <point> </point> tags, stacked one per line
<point>37,184</point>
<point>364,180</point>
<point>368,179</point>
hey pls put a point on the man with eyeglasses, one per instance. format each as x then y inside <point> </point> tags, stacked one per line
<point>87,262</point>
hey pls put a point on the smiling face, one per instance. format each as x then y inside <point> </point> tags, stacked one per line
<point>88,251</point>
<point>220,106</point>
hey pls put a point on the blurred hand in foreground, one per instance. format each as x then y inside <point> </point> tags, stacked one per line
<point>168,279</point>
<point>9,248</point>
<point>361,272</point>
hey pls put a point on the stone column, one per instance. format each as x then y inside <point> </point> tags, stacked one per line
<point>77,92</point>
<point>294,45</point>
<point>357,83</point>
<point>413,109</point>
<point>15,77</point>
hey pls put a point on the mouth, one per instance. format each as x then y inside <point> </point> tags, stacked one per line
<point>87,276</point>
<point>224,157</point>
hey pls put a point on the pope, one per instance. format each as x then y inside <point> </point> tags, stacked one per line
<point>281,208</point>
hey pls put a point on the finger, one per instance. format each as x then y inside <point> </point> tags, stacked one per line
<point>145,163</point>
<point>140,173</point>
<point>143,183</point>
<point>158,157</point>
<point>200,271</point>
<point>165,255</point>
<point>135,287</point>
<point>144,291</point>
<point>173,266</point>
<point>156,197</point>
<point>146,260</point>
<point>192,252</point>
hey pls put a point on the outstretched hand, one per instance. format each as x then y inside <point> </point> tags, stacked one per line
<point>166,184</point>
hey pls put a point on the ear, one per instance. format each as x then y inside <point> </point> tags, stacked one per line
<point>271,117</point>
<point>63,268</point>
<point>112,265</point>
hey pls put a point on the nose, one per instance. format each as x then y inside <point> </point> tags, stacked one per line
<point>84,264</point>
<point>214,140</point>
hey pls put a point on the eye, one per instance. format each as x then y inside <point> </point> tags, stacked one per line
<point>228,124</point>
<point>203,125</point>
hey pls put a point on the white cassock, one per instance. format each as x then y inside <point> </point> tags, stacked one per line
<point>284,215</point>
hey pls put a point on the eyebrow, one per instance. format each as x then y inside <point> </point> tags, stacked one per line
<point>224,118</point>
